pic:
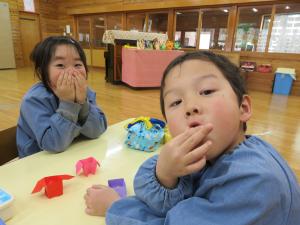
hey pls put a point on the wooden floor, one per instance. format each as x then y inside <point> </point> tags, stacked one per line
<point>276,118</point>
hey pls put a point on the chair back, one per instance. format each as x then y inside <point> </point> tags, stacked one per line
<point>8,145</point>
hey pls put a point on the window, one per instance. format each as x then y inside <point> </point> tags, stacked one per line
<point>29,5</point>
<point>136,22</point>
<point>186,28</point>
<point>158,22</point>
<point>99,27</point>
<point>285,35</point>
<point>84,31</point>
<point>214,29</point>
<point>114,21</point>
<point>252,29</point>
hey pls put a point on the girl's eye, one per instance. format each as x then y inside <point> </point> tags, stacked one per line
<point>206,92</point>
<point>175,103</point>
<point>78,65</point>
<point>60,65</point>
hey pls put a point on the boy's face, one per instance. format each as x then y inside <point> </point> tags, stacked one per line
<point>64,60</point>
<point>197,93</point>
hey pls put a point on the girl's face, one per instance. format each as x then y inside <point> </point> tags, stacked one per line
<point>65,60</point>
<point>197,93</point>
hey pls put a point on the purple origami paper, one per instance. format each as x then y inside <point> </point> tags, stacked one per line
<point>119,186</point>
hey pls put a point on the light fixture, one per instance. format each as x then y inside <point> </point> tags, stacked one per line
<point>287,7</point>
<point>178,13</point>
<point>254,9</point>
<point>225,10</point>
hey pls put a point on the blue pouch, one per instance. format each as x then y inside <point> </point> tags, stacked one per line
<point>145,134</point>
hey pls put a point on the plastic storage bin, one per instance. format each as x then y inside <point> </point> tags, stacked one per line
<point>6,200</point>
<point>283,81</point>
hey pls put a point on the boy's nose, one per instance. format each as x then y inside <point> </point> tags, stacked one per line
<point>192,111</point>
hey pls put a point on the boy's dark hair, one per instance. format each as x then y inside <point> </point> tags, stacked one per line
<point>230,71</point>
<point>43,52</point>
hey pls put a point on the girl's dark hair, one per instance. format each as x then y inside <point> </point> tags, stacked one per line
<point>230,71</point>
<point>43,52</point>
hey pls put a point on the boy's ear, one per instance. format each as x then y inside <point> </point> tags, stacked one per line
<point>245,108</point>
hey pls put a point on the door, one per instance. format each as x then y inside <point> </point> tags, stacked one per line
<point>7,55</point>
<point>30,34</point>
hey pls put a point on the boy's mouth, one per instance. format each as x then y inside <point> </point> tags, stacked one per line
<point>194,124</point>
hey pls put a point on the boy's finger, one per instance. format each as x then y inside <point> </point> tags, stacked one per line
<point>196,166</point>
<point>99,186</point>
<point>181,138</point>
<point>85,197</point>
<point>197,153</point>
<point>89,211</point>
<point>199,133</point>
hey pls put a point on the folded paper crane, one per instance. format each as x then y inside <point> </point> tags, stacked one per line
<point>119,186</point>
<point>88,165</point>
<point>53,185</point>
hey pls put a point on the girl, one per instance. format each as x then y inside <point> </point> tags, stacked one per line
<point>210,172</point>
<point>61,107</point>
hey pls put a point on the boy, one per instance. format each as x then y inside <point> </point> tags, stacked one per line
<point>210,173</point>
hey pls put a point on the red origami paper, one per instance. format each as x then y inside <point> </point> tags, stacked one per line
<point>53,185</point>
<point>88,165</point>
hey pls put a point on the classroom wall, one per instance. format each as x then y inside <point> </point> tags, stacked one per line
<point>56,14</point>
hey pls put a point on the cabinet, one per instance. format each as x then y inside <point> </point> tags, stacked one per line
<point>256,81</point>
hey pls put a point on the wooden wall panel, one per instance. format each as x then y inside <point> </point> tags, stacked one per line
<point>259,81</point>
<point>50,23</point>
<point>90,6</point>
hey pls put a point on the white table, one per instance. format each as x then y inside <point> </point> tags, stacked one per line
<point>19,178</point>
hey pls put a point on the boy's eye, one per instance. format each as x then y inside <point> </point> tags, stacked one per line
<point>175,103</point>
<point>206,92</point>
<point>78,65</point>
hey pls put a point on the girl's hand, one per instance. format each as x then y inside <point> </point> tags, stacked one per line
<point>98,199</point>
<point>80,87</point>
<point>65,87</point>
<point>183,155</point>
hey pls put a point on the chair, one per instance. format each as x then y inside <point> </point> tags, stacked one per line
<point>8,145</point>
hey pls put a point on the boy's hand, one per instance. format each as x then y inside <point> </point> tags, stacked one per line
<point>98,199</point>
<point>65,87</point>
<point>80,87</point>
<point>183,155</point>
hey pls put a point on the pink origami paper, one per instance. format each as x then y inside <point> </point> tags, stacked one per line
<point>88,165</point>
<point>53,185</point>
